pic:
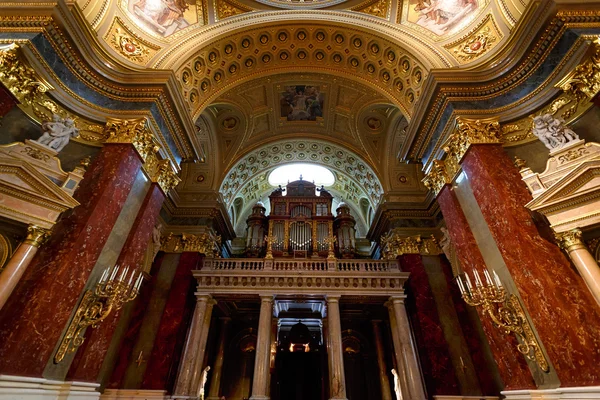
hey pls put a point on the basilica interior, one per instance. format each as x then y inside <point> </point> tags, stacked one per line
<point>300,200</point>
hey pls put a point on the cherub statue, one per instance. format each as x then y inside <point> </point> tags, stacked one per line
<point>552,131</point>
<point>58,132</point>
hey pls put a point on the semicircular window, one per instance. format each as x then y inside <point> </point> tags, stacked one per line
<point>309,172</point>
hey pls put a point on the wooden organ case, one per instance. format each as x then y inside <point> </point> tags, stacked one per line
<point>300,224</point>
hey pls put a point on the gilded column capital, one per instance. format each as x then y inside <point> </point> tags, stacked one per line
<point>36,236</point>
<point>393,245</point>
<point>203,243</point>
<point>584,81</point>
<point>437,177</point>
<point>467,133</point>
<point>569,239</point>
<point>132,131</point>
<point>137,133</point>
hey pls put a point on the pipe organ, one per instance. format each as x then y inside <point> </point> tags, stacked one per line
<point>299,224</point>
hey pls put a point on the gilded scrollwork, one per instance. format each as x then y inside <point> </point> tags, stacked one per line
<point>476,43</point>
<point>204,243</point>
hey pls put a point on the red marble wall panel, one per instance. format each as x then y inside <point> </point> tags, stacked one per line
<point>484,375</point>
<point>562,309</point>
<point>135,322</point>
<point>7,101</point>
<point>35,315</point>
<point>168,345</point>
<point>86,364</point>
<point>434,354</point>
<point>511,364</point>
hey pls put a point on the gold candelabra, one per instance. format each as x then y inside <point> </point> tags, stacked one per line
<point>116,287</point>
<point>270,239</point>
<point>330,240</point>
<point>505,312</point>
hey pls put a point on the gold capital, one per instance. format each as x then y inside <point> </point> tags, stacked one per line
<point>19,78</point>
<point>437,177</point>
<point>584,81</point>
<point>36,236</point>
<point>394,245</point>
<point>568,239</point>
<point>467,133</point>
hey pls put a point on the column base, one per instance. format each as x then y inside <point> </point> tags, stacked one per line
<point>572,393</point>
<point>338,398</point>
<point>260,398</point>
<point>27,388</point>
<point>133,394</point>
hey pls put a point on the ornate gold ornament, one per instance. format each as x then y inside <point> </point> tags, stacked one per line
<point>110,293</point>
<point>270,239</point>
<point>226,9</point>
<point>394,245</point>
<point>203,243</point>
<point>482,39</point>
<point>330,241</point>
<point>584,81</point>
<point>129,46</point>
<point>379,8</point>
<point>36,236</point>
<point>505,312</point>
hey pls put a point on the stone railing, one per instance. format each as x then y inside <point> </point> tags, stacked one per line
<point>283,265</point>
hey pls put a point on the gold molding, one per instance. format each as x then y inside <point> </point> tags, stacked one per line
<point>377,8</point>
<point>226,9</point>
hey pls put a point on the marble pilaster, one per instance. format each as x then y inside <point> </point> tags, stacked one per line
<point>407,350</point>
<point>337,378</point>
<point>87,363</point>
<point>193,353</point>
<point>217,371</point>
<point>167,352</point>
<point>512,367</point>
<point>384,381</point>
<point>20,260</point>
<point>50,288</point>
<point>260,389</point>
<point>436,362</point>
<point>555,297</point>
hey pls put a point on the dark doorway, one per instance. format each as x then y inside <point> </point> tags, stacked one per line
<point>300,375</point>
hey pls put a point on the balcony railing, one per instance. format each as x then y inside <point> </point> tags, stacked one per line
<point>343,265</point>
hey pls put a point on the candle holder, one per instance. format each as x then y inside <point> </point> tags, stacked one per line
<point>505,312</point>
<point>115,288</point>
<point>330,241</point>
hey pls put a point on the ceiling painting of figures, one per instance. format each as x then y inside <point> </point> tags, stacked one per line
<point>164,18</point>
<point>301,103</point>
<point>442,17</point>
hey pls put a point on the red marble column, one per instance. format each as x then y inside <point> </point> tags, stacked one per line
<point>484,375</point>
<point>436,363</point>
<point>35,315</point>
<point>512,366</point>
<point>561,307</point>
<point>135,323</point>
<point>86,364</point>
<point>168,345</point>
<point>7,101</point>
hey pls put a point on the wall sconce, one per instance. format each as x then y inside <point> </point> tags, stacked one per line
<point>114,289</point>
<point>505,311</point>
